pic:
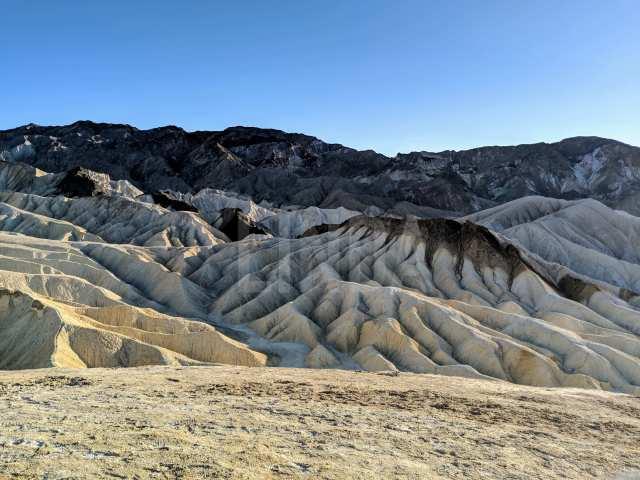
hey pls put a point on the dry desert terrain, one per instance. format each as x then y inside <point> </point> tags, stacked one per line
<point>239,422</point>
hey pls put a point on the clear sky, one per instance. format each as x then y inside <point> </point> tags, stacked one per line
<point>392,75</point>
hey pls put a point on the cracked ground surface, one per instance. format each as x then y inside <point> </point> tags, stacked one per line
<point>239,422</point>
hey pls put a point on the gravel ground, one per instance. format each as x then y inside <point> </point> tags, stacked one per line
<point>237,422</point>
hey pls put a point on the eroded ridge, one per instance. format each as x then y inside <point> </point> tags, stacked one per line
<point>110,280</point>
<point>428,296</point>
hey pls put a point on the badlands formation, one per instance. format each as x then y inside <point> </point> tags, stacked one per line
<point>105,277</point>
<point>99,271</point>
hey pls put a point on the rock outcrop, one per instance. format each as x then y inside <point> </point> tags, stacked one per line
<point>236,225</point>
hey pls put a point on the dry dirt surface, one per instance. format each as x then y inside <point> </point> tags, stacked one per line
<point>239,422</point>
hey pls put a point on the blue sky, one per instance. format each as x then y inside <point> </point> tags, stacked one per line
<point>394,75</point>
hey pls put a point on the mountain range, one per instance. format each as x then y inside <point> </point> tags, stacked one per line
<point>122,247</point>
<point>294,169</point>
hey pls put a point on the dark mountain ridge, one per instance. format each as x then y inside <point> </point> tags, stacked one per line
<point>296,169</point>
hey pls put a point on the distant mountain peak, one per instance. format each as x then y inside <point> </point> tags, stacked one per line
<point>293,168</point>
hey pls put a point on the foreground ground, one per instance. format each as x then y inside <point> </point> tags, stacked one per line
<point>229,422</point>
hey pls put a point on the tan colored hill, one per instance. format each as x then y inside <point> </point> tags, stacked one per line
<point>38,332</point>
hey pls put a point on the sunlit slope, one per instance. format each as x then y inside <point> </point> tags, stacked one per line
<point>378,294</point>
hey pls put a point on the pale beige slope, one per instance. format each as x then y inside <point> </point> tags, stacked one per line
<point>36,332</point>
<point>425,301</point>
<point>62,308</point>
<point>429,297</point>
<point>584,236</point>
<point>113,219</point>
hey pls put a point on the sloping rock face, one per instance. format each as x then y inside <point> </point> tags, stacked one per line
<point>266,218</point>
<point>81,182</point>
<point>20,177</point>
<point>236,225</point>
<point>574,168</point>
<point>166,200</point>
<point>584,236</point>
<point>294,169</point>
<point>39,333</point>
<point>76,182</point>
<point>108,219</point>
